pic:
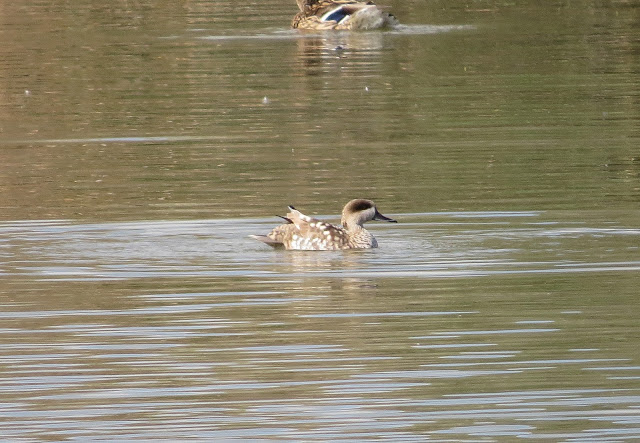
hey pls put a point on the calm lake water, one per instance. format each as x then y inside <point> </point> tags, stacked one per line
<point>140,144</point>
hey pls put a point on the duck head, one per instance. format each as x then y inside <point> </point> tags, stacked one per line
<point>359,211</point>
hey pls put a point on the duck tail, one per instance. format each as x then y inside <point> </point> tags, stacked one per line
<point>267,241</point>
<point>287,219</point>
<point>297,218</point>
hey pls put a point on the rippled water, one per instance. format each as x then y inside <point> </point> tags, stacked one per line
<point>462,325</point>
<point>141,144</point>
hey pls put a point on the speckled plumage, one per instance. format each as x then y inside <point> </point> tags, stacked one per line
<point>341,14</point>
<point>306,233</point>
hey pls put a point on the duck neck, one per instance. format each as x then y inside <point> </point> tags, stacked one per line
<point>351,226</point>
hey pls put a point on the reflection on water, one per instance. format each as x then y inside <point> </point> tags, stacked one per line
<point>139,144</point>
<point>456,245</point>
<point>192,328</point>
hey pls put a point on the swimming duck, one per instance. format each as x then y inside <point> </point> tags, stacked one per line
<point>306,233</point>
<point>341,14</point>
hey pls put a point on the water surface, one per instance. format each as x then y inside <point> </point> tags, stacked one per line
<point>141,144</point>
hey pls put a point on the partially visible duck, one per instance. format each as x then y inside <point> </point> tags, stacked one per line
<point>341,14</point>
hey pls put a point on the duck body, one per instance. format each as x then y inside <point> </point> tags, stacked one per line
<point>302,232</point>
<point>341,14</point>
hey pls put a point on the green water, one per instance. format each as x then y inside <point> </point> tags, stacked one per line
<point>140,144</point>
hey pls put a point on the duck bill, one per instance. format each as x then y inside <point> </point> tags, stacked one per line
<point>381,217</point>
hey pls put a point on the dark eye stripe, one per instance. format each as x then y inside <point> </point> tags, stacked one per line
<point>361,205</point>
